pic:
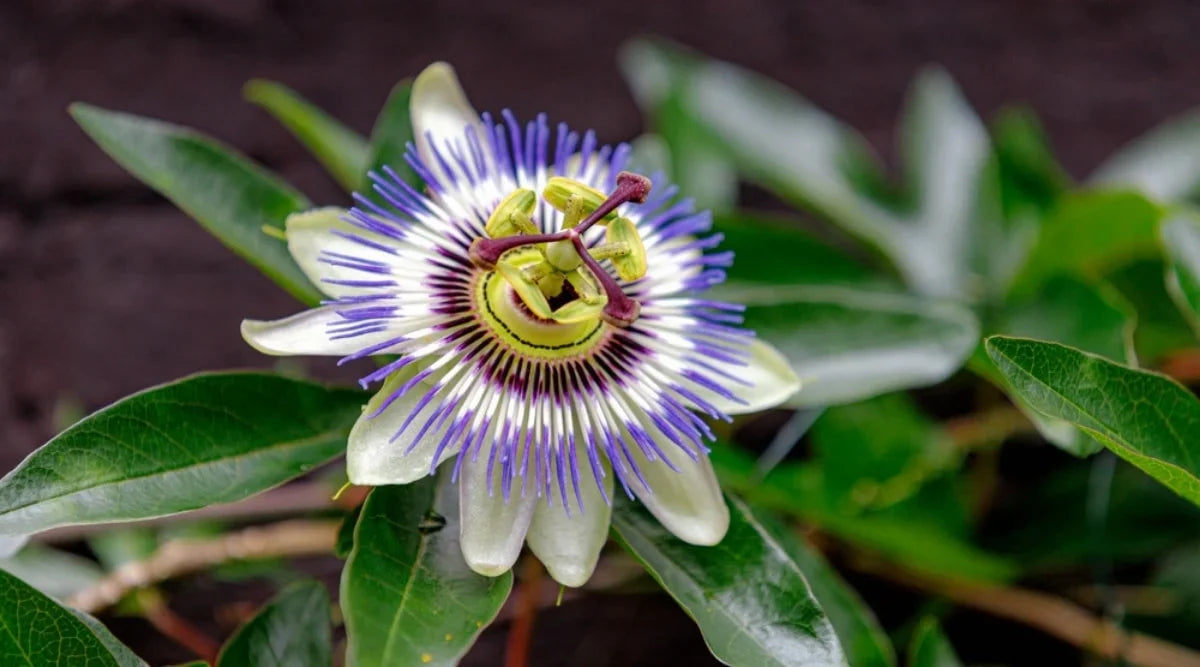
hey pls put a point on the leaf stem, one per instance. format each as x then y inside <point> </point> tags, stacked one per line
<point>1053,615</point>
<point>185,556</point>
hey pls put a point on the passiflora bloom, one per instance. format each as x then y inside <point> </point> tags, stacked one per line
<point>549,328</point>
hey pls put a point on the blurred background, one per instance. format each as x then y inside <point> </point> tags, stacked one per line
<point>105,288</point>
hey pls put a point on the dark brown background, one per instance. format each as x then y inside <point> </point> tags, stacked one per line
<point>105,288</point>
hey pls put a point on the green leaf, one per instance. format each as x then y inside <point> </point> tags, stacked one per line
<point>124,655</point>
<point>37,631</point>
<point>1024,182</point>
<point>228,195</point>
<point>1164,163</point>
<point>775,250</point>
<point>1094,318</point>
<point>209,438</point>
<point>747,594</point>
<point>847,343</point>
<point>408,596</point>
<point>783,142</point>
<point>879,452</point>
<point>1161,327</point>
<point>292,629</point>
<point>1090,233</point>
<point>1145,418</point>
<point>345,536</point>
<point>858,631</point>
<point>1181,243</point>
<point>391,136</point>
<point>1048,527</point>
<point>341,150</point>
<point>59,574</point>
<point>930,648</point>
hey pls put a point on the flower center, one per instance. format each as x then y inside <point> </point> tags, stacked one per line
<point>557,277</point>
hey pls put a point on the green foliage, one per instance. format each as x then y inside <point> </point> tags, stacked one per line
<point>876,285</point>
<point>930,648</point>
<point>407,594</point>
<point>207,439</point>
<point>1145,418</point>
<point>751,570</point>
<point>342,151</point>
<point>37,632</point>
<point>291,629</point>
<point>230,196</point>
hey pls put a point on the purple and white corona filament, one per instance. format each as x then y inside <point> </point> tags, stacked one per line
<point>550,334</point>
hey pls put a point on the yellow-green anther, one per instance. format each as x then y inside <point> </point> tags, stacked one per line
<point>526,288</point>
<point>578,311</point>
<point>585,286</point>
<point>511,217</point>
<point>609,250</point>
<point>551,284</point>
<point>632,264</point>
<point>573,211</point>
<point>562,255</point>
<point>558,193</point>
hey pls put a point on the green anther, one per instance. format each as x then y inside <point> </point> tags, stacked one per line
<point>609,250</point>
<point>585,286</point>
<point>511,217</point>
<point>527,289</point>
<point>551,284</point>
<point>558,192</point>
<point>574,211</point>
<point>632,264</point>
<point>579,311</point>
<point>562,256</point>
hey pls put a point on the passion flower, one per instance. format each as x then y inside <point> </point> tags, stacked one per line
<point>547,329</point>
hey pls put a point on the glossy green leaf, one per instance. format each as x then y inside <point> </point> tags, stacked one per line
<point>858,631</point>
<point>775,250</point>
<point>391,135</point>
<point>1164,163</point>
<point>230,196</point>
<point>1090,233</point>
<point>1181,243</point>
<point>341,150</point>
<point>37,631</point>
<point>293,628</point>
<point>747,594</point>
<point>783,142</point>
<point>930,648</point>
<point>847,343</point>
<point>878,452</point>
<point>1145,418</point>
<point>209,438</point>
<point>407,594</point>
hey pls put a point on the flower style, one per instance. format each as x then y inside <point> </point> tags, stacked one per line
<point>541,330</point>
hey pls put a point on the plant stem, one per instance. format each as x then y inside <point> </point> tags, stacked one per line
<point>520,635</point>
<point>1055,616</point>
<point>185,556</point>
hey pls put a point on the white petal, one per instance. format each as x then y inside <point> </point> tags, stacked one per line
<point>770,379</point>
<point>569,546</point>
<point>492,530</point>
<point>311,232</point>
<point>307,333</point>
<point>440,111</point>
<point>375,456</point>
<point>689,502</point>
